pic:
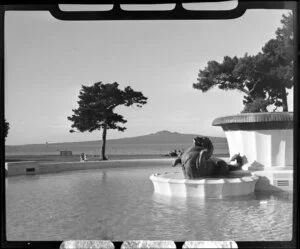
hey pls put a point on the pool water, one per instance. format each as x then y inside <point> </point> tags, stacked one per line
<point>119,204</point>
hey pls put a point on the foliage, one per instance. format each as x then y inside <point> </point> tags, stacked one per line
<point>258,105</point>
<point>6,128</point>
<point>263,78</point>
<point>96,108</point>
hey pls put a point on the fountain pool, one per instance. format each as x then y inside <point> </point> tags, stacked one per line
<point>120,204</point>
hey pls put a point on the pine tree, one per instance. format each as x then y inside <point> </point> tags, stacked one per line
<point>96,108</point>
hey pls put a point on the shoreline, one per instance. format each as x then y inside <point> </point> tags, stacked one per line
<point>32,167</point>
<point>76,158</point>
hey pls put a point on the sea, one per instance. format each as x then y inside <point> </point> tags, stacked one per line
<point>220,148</point>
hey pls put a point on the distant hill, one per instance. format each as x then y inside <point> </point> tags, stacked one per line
<point>162,137</point>
<point>156,143</point>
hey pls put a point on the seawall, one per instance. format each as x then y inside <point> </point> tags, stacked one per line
<point>37,168</point>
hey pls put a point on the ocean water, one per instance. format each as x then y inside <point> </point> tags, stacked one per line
<point>119,204</point>
<point>111,149</point>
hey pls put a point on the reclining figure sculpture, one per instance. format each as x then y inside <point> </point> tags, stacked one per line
<point>197,162</point>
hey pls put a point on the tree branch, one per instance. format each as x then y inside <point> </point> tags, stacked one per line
<point>255,85</point>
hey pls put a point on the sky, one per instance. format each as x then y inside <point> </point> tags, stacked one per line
<point>48,60</point>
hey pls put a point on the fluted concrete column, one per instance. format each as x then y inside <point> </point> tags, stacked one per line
<point>264,139</point>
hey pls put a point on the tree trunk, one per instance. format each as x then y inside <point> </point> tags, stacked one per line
<point>264,109</point>
<point>284,101</point>
<point>103,142</point>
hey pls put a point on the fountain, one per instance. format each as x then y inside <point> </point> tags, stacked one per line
<point>264,143</point>
<point>205,176</point>
<point>265,140</point>
<point>172,184</point>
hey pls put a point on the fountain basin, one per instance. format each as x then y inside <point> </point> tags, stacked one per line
<point>265,140</point>
<point>279,179</point>
<point>172,184</point>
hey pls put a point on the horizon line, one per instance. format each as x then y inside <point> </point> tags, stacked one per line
<point>174,132</point>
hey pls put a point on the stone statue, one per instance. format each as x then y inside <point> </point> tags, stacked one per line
<point>197,162</point>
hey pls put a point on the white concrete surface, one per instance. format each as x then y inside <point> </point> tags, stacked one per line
<point>262,148</point>
<point>171,184</point>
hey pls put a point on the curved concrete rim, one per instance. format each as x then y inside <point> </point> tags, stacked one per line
<point>263,117</point>
<point>167,184</point>
<point>157,177</point>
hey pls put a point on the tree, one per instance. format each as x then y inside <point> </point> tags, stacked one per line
<point>96,108</point>
<point>263,78</point>
<point>6,128</point>
<point>279,54</point>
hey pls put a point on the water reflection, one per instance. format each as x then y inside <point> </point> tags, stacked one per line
<point>232,218</point>
<point>23,178</point>
<point>104,176</point>
<point>167,201</point>
<point>120,204</point>
<point>278,195</point>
